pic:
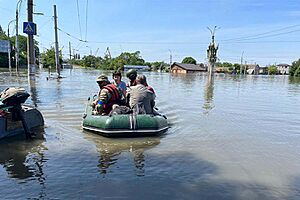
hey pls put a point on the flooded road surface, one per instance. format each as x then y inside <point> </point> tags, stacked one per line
<point>230,138</point>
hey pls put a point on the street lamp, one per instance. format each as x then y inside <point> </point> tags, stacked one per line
<point>17,33</point>
<point>9,48</point>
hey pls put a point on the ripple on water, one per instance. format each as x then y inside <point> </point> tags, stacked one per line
<point>230,136</point>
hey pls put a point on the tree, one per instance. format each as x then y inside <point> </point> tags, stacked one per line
<point>272,69</point>
<point>118,62</point>
<point>48,58</point>
<point>3,56</point>
<point>189,60</point>
<point>90,61</point>
<point>3,36</point>
<point>237,67</point>
<point>108,63</point>
<point>227,64</point>
<point>22,40</point>
<point>295,69</point>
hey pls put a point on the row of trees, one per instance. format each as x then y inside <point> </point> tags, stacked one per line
<point>22,40</point>
<point>125,58</point>
<point>108,63</point>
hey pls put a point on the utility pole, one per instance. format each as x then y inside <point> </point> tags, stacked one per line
<point>70,52</point>
<point>212,51</point>
<point>17,35</point>
<point>9,47</point>
<point>170,59</point>
<point>56,45</point>
<point>241,62</point>
<point>30,44</point>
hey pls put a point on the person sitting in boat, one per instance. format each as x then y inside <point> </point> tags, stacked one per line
<point>131,75</point>
<point>141,100</point>
<point>108,95</point>
<point>149,87</point>
<point>117,81</point>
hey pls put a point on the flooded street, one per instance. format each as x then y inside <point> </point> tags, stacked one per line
<point>230,137</point>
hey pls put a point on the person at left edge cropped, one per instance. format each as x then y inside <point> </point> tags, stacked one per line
<point>108,96</point>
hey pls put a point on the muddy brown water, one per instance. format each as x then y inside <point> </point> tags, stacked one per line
<point>231,137</point>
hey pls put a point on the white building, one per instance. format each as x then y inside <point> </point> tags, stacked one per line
<point>283,68</point>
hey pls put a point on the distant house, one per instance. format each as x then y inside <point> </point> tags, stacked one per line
<point>67,66</point>
<point>263,70</point>
<point>136,67</point>
<point>187,68</point>
<point>283,68</point>
<point>252,68</point>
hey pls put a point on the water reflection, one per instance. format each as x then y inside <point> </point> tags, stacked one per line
<point>23,159</point>
<point>110,150</point>
<point>294,80</point>
<point>208,94</point>
<point>33,90</point>
<point>188,79</point>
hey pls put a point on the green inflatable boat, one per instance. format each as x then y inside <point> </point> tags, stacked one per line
<point>124,125</point>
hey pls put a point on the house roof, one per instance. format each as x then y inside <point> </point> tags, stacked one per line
<point>251,66</point>
<point>282,65</point>
<point>190,67</point>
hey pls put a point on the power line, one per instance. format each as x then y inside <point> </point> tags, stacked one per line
<point>272,35</point>
<point>260,42</point>
<point>78,15</point>
<point>71,35</point>
<point>86,18</point>
<point>260,34</point>
<point>145,42</point>
<point>189,43</point>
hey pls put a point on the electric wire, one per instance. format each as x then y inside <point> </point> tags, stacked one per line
<point>86,19</point>
<point>78,15</point>
<point>71,35</point>
<point>260,34</point>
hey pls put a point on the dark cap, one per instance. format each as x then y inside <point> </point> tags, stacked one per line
<point>131,74</point>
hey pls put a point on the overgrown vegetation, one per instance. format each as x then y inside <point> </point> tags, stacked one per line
<point>189,60</point>
<point>272,70</point>
<point>125,58</point>
<point>22,40</point>
<point>226,67</point>
<point>295,69</point>
<point>48,58</point>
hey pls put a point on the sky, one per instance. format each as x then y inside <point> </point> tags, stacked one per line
<point>261,31</point>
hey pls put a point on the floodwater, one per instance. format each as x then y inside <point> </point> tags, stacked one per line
<point>231,137</point>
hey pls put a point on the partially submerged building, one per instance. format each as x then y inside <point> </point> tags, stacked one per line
<point>187,68</point>
<point>137,67</point>
<point>252,68</point>
<point>283,68</point>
